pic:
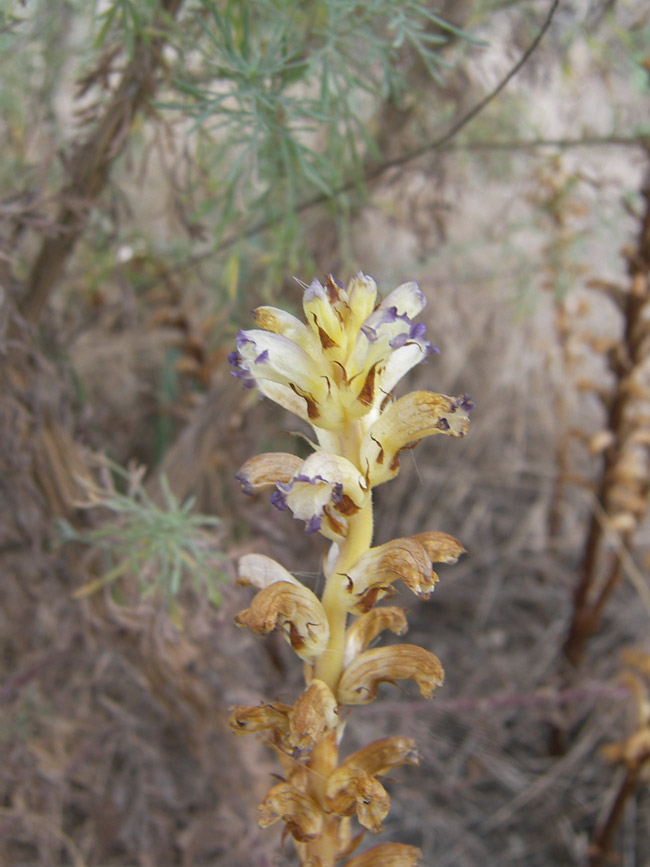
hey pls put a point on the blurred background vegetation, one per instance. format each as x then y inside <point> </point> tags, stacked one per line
<point>167,166</point>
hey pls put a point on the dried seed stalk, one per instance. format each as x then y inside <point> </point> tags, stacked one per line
<point>624,485</point>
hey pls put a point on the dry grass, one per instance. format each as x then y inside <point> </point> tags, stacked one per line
<point>113,722</point>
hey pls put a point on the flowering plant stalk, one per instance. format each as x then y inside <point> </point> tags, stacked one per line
<point>336,371</point>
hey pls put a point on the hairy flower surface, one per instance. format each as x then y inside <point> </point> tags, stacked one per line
<point>336,370</point>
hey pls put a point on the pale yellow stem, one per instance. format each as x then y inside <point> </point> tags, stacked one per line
<point>330,665</point>
<point>322,764</point>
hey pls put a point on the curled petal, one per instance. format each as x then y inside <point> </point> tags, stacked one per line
<point>440,547</point>
<point>387,855</point>
<point>417,415</point>
<point>351,790</point>
<point>406,559</point>
<point>294,609</point>
<point>259,571</point>
<point>244,720</point>
<point>313,717</point>
<point>367,627</point>
<point>301,815</point>
<point>384,754</point>
<point>266,470</point>
<point>360,680</point>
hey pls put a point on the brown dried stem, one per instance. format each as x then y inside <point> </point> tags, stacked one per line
<point>601,850</point>
<point>90,166</point>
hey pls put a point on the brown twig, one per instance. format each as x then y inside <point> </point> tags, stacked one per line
<point>90,166</point>
<point>600,850</point>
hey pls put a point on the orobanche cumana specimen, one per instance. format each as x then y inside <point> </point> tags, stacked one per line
<point>336,371</point>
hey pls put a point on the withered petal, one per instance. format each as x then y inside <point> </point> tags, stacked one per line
<point>408,420</point>
<point>387,855</point>
<point>440,547</point>
<point>265,470</point>
<point>379,756</point>
<point>367,627</point>
<point>295,610</point>
<point>314,716</point>
<point>360,680</point>
<point>352,790</point>
<point>243,720</point>
<point>297,810</point>
<point>406,559</point>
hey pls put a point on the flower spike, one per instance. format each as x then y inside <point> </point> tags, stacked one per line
<point>336,370</point>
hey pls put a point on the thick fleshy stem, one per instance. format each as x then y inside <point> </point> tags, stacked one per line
<point>322,764</point>
<point>330,665</point>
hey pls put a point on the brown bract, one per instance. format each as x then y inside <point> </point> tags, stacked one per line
<point>360,680</point>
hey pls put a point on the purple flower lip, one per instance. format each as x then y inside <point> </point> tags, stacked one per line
<point>415,334</point>
<point>242,340</point>
<point>465,402</point>
<point>399,341</point>
<point>279,500</point>
<point>300,477</point>
<point>337,493</point>
<point>246,486</point>
<point>313,525</point>
<point>263,357</point>
<point>390,315</point>
<point>240,371</point>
